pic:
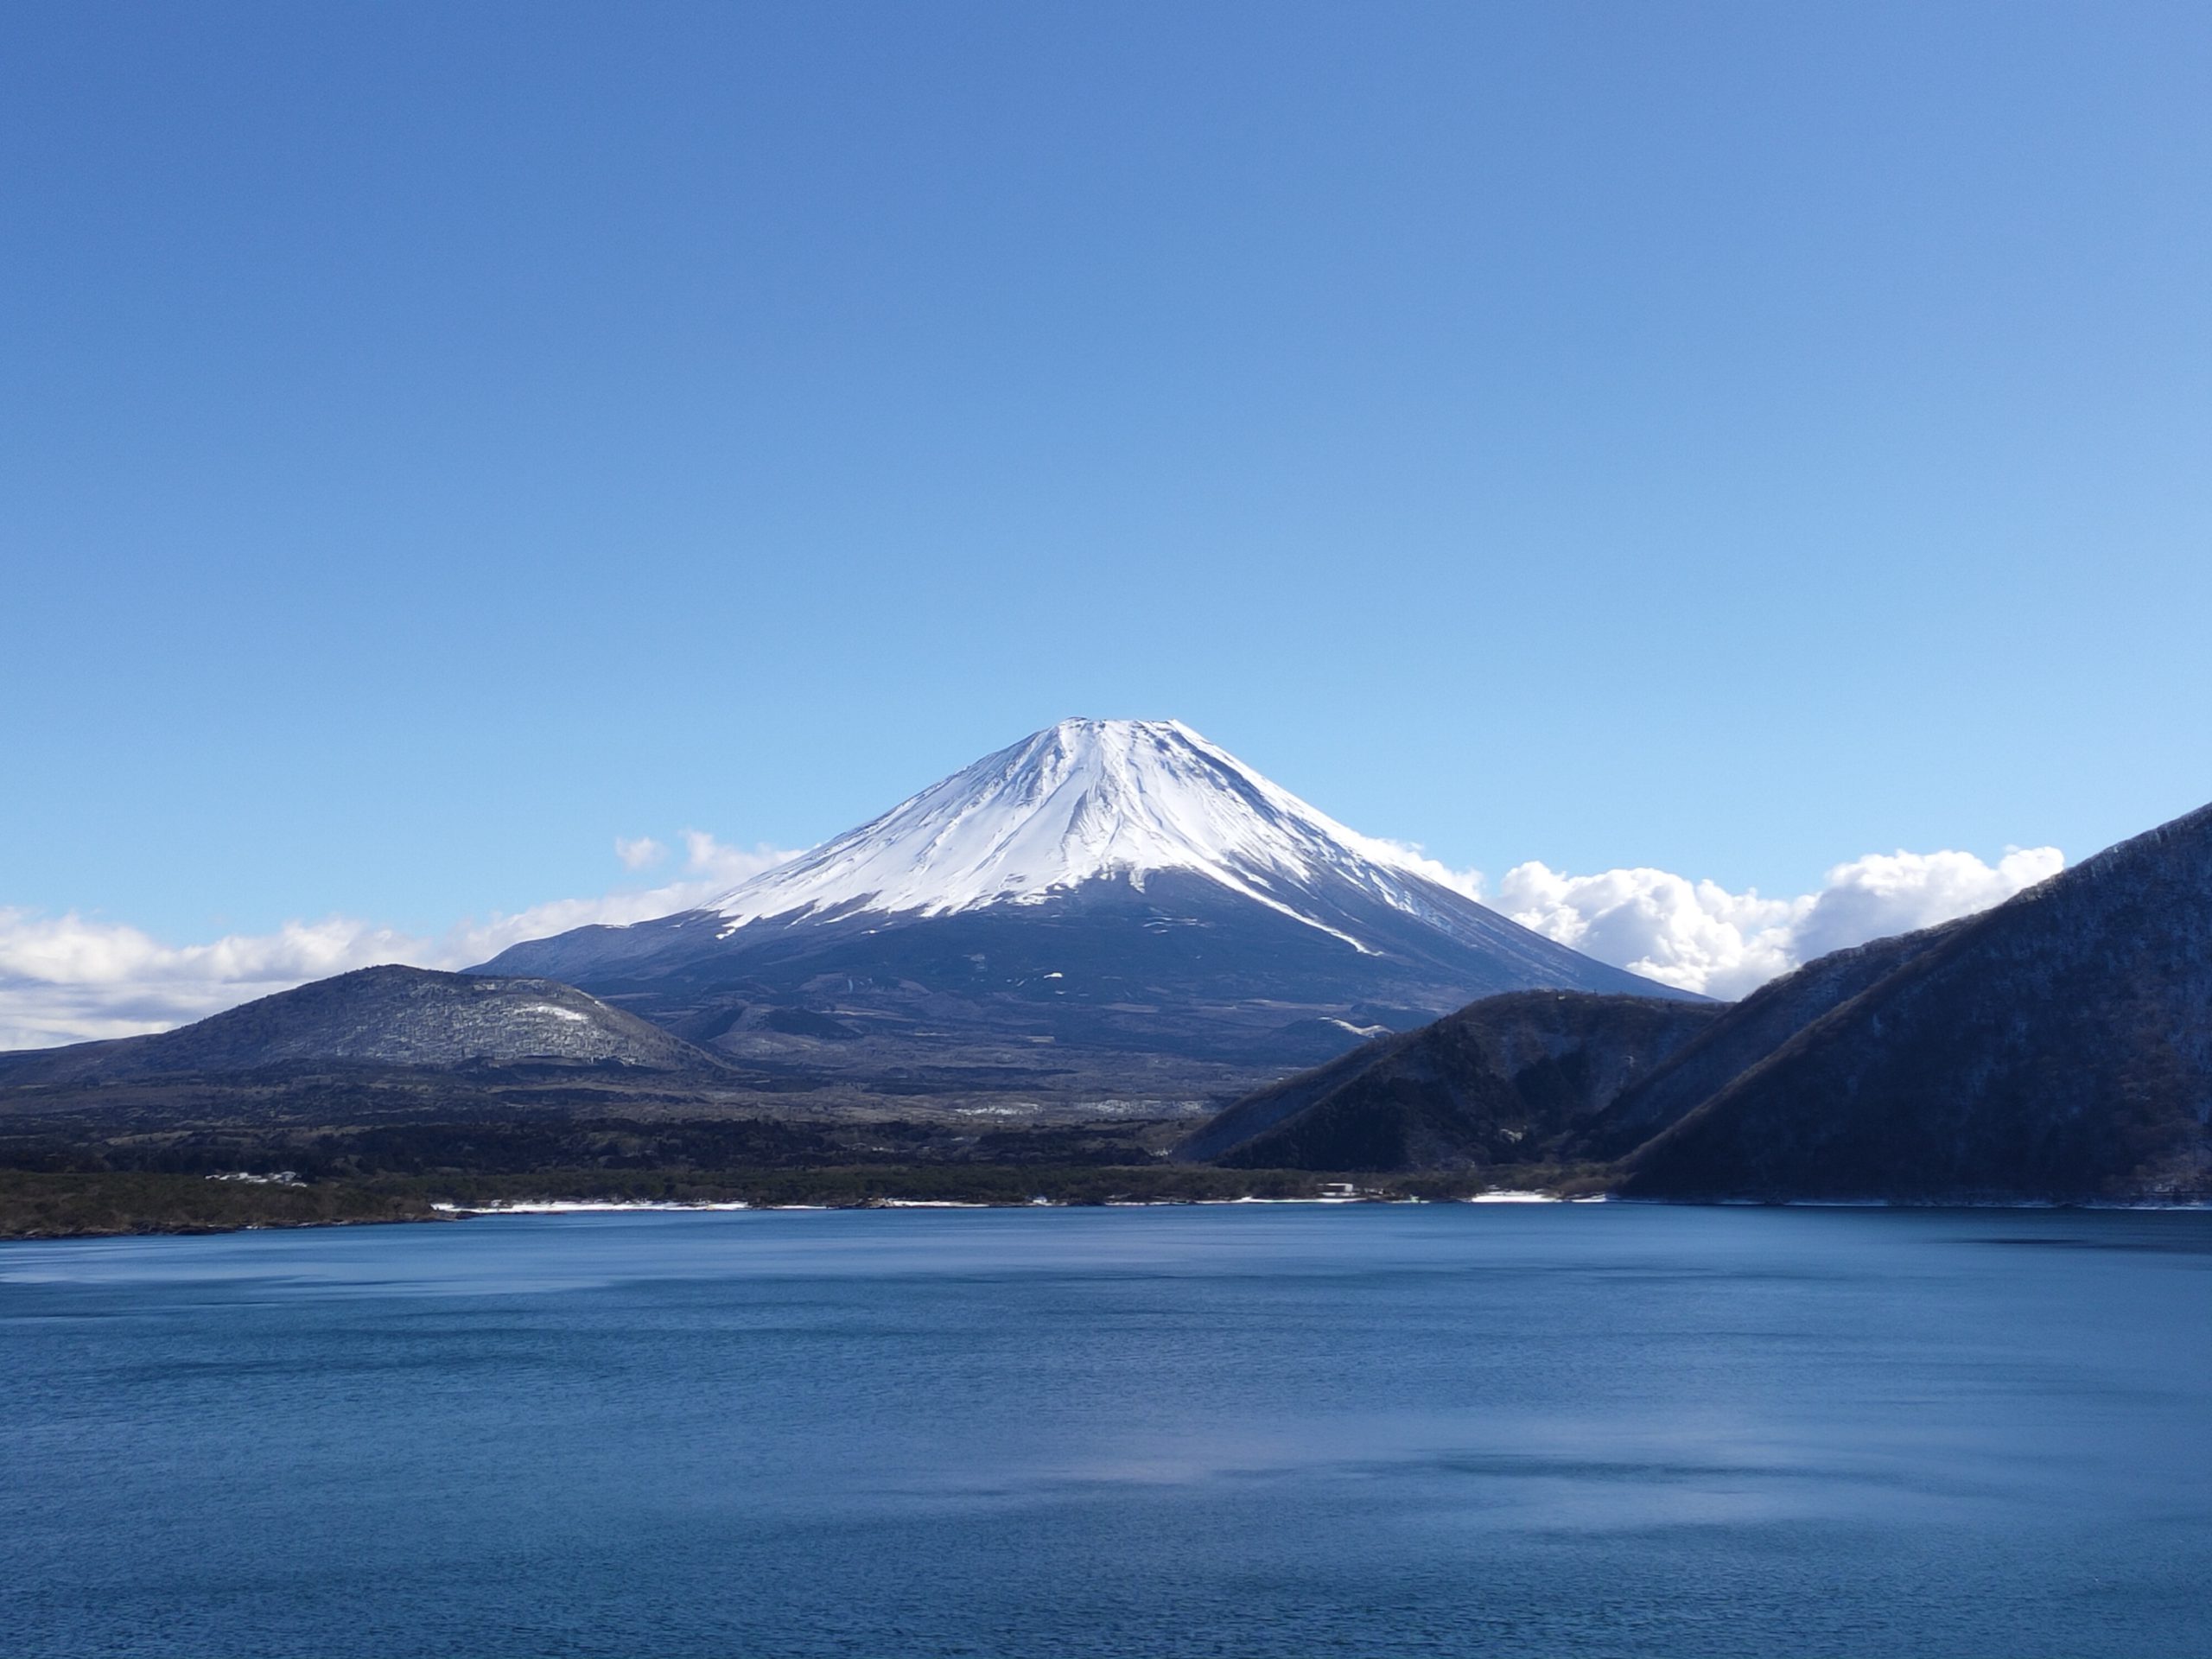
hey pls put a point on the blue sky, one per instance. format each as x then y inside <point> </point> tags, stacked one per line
<point>437,440</point>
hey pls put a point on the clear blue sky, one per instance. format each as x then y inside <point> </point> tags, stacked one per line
<point>436,439</point>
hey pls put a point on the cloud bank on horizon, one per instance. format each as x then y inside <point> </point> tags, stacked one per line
<point>69,979</point>
<point>1700,937</point>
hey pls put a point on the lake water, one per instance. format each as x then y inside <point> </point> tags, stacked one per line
<point>1451,1429</point>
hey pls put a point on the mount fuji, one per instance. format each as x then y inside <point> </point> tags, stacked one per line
<point>1109,913</point>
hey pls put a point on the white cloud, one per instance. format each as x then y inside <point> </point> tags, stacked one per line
<point>637,853</point>
<point>69,978</point>
<point>709,862</point>
<point>1700,937</point>
<point>1895,892</point>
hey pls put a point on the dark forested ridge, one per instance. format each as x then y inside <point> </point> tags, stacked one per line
<point>1750,1031</point>
<point>1507,1080</point>
<point>2058,1047</point>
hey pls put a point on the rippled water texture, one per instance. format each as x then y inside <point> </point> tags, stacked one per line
<point>1588,1429</point>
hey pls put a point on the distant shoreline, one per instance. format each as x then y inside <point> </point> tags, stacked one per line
<point>93,1214</point>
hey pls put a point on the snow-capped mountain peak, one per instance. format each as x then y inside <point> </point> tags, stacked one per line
<point>1083,801</point>
<point>1108,911</point>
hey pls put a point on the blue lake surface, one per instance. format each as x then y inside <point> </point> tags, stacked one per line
<point>1451,1429</point>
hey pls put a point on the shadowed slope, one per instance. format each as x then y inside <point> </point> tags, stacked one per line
<point>1745,1034</point>
<point>2057,1046</point>
<point>1505,1080</point>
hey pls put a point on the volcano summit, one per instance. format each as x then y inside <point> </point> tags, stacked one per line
<point>1109,910</point>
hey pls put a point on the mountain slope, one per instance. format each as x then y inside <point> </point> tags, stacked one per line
<point>2058,1047</point>
<point>1745,1033</point>
<point>390,1016</point>
<point>1638,1075</point>
<point>1108,909</point>
<point>1106,800</point>
<point>1501,1081</point>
